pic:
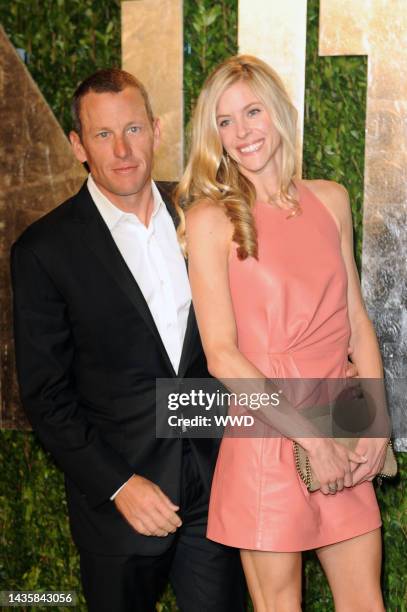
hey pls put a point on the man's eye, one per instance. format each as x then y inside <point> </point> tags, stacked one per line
<point>103,134</point>
<point>134,129</point>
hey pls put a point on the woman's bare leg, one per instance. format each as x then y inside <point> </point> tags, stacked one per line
<point>273,579</point>
<point>352,568</point>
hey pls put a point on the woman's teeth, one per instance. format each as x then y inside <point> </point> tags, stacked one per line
<point>251,148</point>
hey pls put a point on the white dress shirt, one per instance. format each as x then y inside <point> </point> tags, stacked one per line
<point>155,259</point>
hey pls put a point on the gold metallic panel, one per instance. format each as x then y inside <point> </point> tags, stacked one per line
<point>152,39</point>
<point>38,172</point>
<point>275,31</point>
<point>378,29</point>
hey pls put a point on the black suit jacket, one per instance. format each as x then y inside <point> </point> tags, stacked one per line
<point>88,355</point>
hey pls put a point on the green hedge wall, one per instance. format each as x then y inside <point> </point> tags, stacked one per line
<point>66,40</point>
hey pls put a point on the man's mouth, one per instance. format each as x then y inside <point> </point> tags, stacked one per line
<point>251,148</point>
<point>124,169</point>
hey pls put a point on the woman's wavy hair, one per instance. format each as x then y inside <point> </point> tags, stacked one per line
<point>211,174</point>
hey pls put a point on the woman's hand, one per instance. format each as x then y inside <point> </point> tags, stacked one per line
<point>374,449</point>
<point>351,370</point>
<point>331,464</point>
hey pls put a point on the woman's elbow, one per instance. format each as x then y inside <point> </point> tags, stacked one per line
<point>214,366</point>
<point>220,361</point>
<point>361,326</point>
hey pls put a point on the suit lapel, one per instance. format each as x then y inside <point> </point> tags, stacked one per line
<point>190,340</point>
<point>98,239</point>
<point>191,333</point>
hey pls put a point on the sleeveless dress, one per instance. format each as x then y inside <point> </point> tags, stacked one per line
<point>291,314</point>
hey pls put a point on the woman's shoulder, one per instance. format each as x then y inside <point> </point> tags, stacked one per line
<point>326,189</point>
<point>207,216</point>
<point>335,197</point>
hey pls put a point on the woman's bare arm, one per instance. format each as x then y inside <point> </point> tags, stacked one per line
<point>363,341</point>
<point>209,239</point>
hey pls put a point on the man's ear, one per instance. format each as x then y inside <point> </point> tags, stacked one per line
<point>77,147</point>
<point>156,132</point>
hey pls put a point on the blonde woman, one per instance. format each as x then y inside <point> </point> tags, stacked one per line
<point>276,294</point>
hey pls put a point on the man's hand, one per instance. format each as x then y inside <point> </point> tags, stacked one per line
<point>351,370</point>
<point>148,510</point>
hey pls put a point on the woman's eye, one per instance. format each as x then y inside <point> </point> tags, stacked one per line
<point>253,111</point>
<point>224,123</point>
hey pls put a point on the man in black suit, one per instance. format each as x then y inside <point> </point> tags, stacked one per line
<point>102,309</point>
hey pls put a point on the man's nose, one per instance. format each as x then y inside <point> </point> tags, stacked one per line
<point>121,146</point>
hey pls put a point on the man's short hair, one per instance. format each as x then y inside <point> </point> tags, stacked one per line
<point>109,80</point>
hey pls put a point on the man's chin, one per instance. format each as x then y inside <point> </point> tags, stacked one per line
<point>128,187</point>
<point>123,191</point>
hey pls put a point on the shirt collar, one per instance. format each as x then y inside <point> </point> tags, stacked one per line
<point>112,215</point>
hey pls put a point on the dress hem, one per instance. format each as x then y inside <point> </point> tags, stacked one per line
<point>275,548</point>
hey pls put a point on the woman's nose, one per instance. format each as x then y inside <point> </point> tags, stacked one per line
<point>242,128</point>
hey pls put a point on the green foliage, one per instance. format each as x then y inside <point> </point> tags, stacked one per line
<point>392,499</point>
<point>67,40</point>
<point>210,35</point>
<point>37,550</point>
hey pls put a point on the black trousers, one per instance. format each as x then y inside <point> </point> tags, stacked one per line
<point>205,576</point>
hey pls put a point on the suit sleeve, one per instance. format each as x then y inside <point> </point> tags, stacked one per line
<point>44,357</point>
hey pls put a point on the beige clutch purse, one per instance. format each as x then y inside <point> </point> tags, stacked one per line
<point>303,465</point>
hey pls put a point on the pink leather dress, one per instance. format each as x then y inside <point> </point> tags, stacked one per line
<point>291,315</point>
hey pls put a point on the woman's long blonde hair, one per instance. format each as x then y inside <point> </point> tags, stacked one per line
<point>211,174</point>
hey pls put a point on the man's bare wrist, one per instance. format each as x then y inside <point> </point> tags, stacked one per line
<point>112,498</point>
